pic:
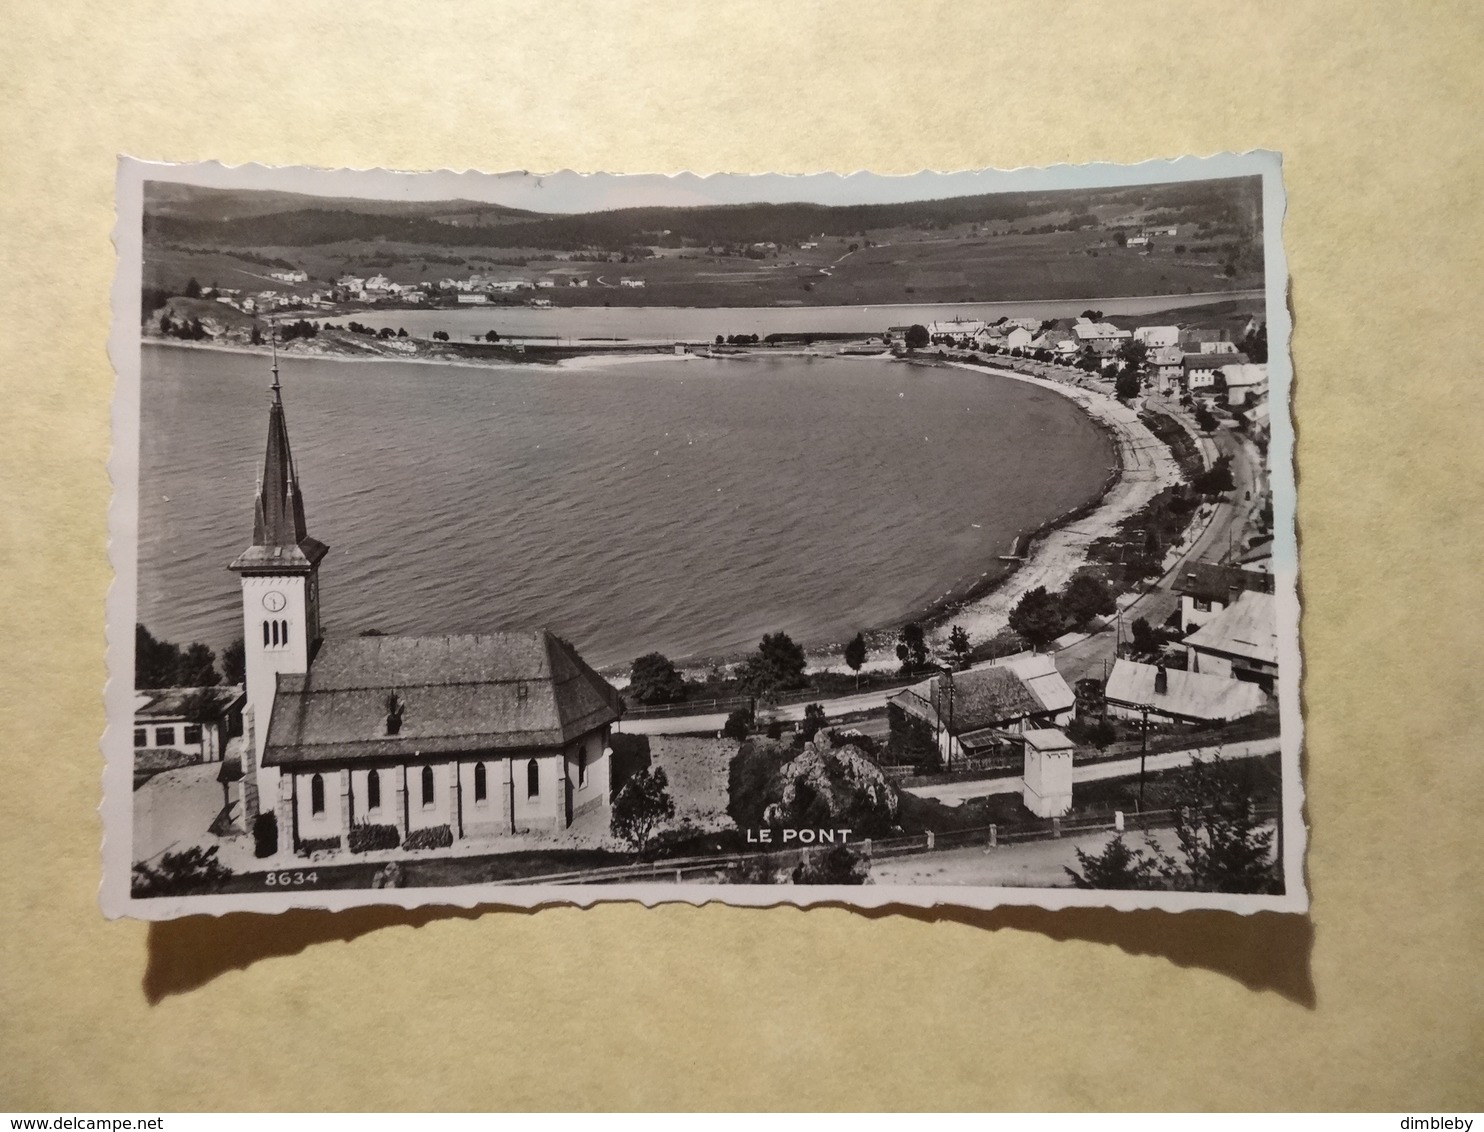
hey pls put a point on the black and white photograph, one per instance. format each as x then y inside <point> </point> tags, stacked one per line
<point>529,539</point>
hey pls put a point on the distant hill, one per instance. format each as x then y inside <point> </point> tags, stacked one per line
<point>240,219</point>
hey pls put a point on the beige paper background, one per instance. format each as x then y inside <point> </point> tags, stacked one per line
<point>1377,1001</point>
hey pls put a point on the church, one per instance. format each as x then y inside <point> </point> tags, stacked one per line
<point>379,741</point>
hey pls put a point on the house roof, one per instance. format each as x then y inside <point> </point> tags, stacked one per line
<point>1097,330</point>
<point>1211,582</point>
<point>490,693</point>
<point>1247,628</point>
<point>1212,361</point>
<point>985,697</point>
<point>169,703</point>
<point>1047,739</point>
<point>1245,373</point>
<point>1187,695</point>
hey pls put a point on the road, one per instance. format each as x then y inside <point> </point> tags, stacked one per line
<point>957,793</point>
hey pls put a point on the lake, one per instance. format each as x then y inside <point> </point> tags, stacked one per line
<point>696,324</point>
<point>685,505</point>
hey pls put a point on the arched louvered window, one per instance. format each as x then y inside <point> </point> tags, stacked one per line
<point>481,784</point>
<point>533,779</point>
<point>427,787</point>
<point>265,634</point>
<point>283,632</point>
<point>373,790</point>
<point>317,795</point>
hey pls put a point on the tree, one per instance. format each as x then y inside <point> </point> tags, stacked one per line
<point>958,644</point>
<point>855,656</point>
<point>1217,479</point>
<point>912,648</point>
<point>491,336</point>
<point>192,289</point>
<point>642,803</point>
<point>156,662</point>
<point>917,336</point>
<point>200,707</point>
<point>778,663</point>
<point>1087,596</point>
<point>256,338</point>
<point>197,668</point>
<point>1126,388</point>
<point>1255,344</point>
<point>1037,617</point>
<point>1145,641</point>
<point>234,662</point>
<point>1120,239</point>
<point>1226,847</point>
<point>814,719</point>
<point>1118,866</point>
<point>654,680</point>
<point>1204,420</point>
<point>738,724</point>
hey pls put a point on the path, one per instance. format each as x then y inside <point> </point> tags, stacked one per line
<point>957,793</point>
<point>1032,864</point>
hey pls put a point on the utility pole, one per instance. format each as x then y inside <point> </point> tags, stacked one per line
<point>1143,755</point>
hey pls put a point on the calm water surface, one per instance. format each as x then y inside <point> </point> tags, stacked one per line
<point>686,506</point>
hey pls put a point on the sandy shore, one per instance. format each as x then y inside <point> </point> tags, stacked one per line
<point>1146,468</point>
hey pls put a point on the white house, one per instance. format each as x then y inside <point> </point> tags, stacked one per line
<point>473,298</point>
<point>197,721</point>
<point>1207,588</point>
<point>627,282</point>
<point>1018,338</point>
<point>294,276</point>
<point>1245,382</point>
<point>1148,691</point>
<point>1198,371</point>
<point>1241,641</point>
<point>1103,337</point>
<point>1155,336</point>
<point>437,739</point>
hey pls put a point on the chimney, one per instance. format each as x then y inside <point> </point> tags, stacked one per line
<point>1161,681</point>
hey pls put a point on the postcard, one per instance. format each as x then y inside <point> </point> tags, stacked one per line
<point>522,539</point>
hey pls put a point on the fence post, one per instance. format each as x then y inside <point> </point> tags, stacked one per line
<point>678,877</point>
<point>930,839</point>
<point>1118,820</point>
<point>1056,827</point>
<point>994,836</point>
<point>866,848</point>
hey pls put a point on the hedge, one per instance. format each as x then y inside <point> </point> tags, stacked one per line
<point>265,835</point>
<point>434,837</point>
<point>364,838</point>
<point>318,844</point>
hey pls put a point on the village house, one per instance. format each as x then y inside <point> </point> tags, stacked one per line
<point>1245,382</point>
<point>1240,642</point>
<point>1207,588</point>
<point>1155,336</point>
<point>970,713</point>
<point>627,282</point>
<point>436,739</point>
<point>294,276</point>
<point>1154,692</point>
<point>956,329</point>
<point>196,721</point>
<point>1198,371</point>
<point>1102,337</point>
<point>1138,241</point>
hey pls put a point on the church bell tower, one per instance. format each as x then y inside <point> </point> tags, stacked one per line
<point>280,600</point>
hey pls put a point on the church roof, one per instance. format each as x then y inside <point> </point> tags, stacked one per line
<point>280,535</point>
<point>493,693</point>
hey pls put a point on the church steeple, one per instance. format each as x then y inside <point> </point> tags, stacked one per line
<point>280,536</point>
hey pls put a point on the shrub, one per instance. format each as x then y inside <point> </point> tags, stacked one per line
<point>814,719</point>
<point>738,724</point>
<point>265,835</point>
<point>180,874</point>
<point>749,774</point>
<point>641,806</point>
<point>364,838</point>
<point>434,837</point>
<point>774,730</point>
<point>838,865</point>
<point>319,845</point>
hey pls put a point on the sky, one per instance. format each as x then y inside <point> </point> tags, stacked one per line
<point>567,191</point>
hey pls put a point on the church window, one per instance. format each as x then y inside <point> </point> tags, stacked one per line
<point>191,733</point>
<point>273,627</point>
<point>481,785</point>
<point>265,634</point>
<point>581,766</point>
<point>533,779</point>
<point>427,787</point>
<point>141,737</point>
<point>317,794</point>
<point>373,790</point>
<point>164,736</point>
<point>284,632</point>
